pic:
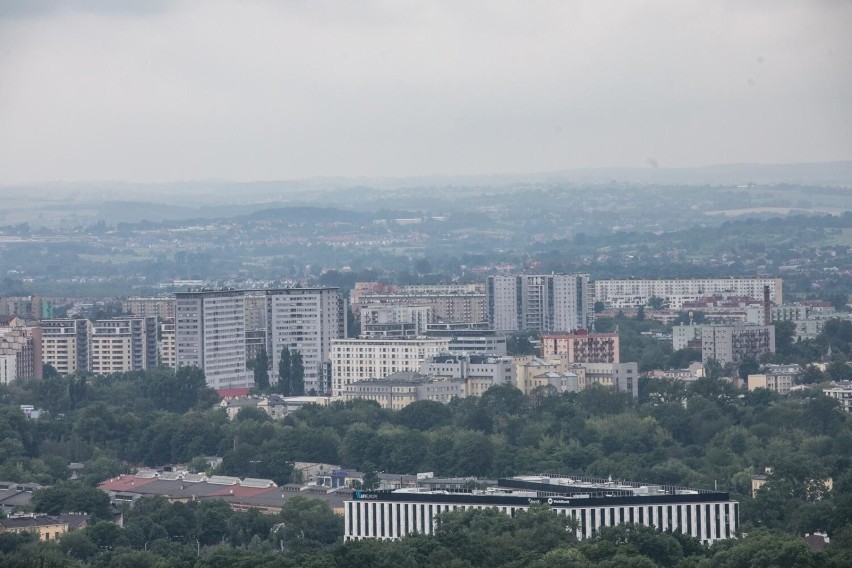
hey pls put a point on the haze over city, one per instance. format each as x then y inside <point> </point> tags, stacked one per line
<point>242,91</point>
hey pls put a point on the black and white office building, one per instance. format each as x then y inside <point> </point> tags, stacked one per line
<point>706,515</point>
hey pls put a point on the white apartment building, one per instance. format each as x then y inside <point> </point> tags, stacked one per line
<point>65,345</point>
<point>635,293</point>
<point>307,320</point>
<point>8,369</point>
<point>550,303</point>
<point>354,360</point>
<point>842,392</point>
<point>124,344</point>
<point>210,334</point>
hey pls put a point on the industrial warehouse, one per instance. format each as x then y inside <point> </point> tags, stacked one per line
<point>593,503</point>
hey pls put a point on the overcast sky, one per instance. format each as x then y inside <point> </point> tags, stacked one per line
<point>259,90</point>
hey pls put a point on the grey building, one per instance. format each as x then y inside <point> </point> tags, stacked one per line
<point>733,343</point>
<point>528,302</point>
<point>210,333</point>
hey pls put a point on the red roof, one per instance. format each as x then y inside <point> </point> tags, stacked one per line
<point>125,483</point>
<point>229,393</point>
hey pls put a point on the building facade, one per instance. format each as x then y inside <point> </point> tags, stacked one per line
<point>354,360</point>
<point>306,320</point>
<point>124,344</point>
<point>591,504</point>
<point>162,307</point>
<point>548,303</point>
<point>210,334</point>
<point>733,343</point>
<point>582,347</point>
<point>65,345</point>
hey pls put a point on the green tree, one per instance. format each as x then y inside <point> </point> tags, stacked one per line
<point>284,383</point>
<point>297,374</point>
<point>748,366</point>
<point>260,368</point>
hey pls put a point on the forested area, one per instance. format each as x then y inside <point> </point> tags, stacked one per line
<point>703,434</point>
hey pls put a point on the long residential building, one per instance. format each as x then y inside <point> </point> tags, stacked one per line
<point>631,293</point>
<point>447,304</point>
<point>210,334</point>
<point>161,307</point>
<point>307,320</point>
<point>708,516</point>
<point>548,303</point>
<point>354,360</point>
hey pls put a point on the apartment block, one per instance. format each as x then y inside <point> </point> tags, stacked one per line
<point>449,303</point>
<point>419,316</point>
<point>634,293</point>
<point>733,343</point>
<point>66,345</point>
<point>470,338</point>
<point>478,372</point>
<point>354,360</point>
<point>161,307</point>
<point>548,303</point>
<point>124,344</point>
<point>582,347</point>
<point>210,334</point>
<point>307,320</point>
<point>401,389</point>
<point>20,348</point>
<point>29,308</point>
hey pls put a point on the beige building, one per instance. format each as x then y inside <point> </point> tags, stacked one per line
<point>47,528</point>
<point>65,345</point>
<point>354,360</point>
<point>124,344</point>
<point>163,308</point>
<point>448,303</point>
<point>582,347</point>
<point>401,389</point>
<point>166,344</point>
<point>20,350</point>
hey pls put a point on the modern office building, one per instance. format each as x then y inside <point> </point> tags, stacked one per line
<point>582,346</point>
<point>674,292</point>
<point>354,360</point>
<point>548,303</point>
<point>210,334</point>
<point>307,320</point>
<point>590,503</point>
<point>733,343</point>
<point>66,345</point>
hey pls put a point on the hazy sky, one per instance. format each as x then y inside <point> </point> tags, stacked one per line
<point>252,90</point>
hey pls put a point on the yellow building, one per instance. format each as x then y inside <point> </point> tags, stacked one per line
<point>48,528</point>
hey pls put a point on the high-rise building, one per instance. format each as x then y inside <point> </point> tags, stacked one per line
<point>452,303</point>
<point>66,345</point>
<point>549,303</point>
<point>210,333</point>
<point>26,307</point>
<point>733,343</point>
<point>124,344</point>
<point>306,320</point>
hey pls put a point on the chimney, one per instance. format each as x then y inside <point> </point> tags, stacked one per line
<point>767,307</point>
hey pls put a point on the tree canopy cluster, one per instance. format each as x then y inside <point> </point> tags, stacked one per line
<point>702,434</point>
